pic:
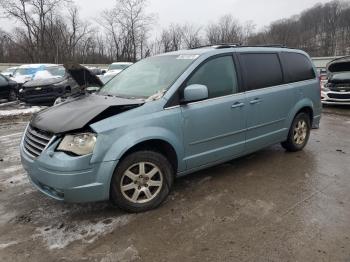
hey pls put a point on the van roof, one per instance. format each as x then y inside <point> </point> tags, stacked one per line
<point>217,49</point>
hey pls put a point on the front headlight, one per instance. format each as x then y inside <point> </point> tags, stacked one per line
<point>79,144</point>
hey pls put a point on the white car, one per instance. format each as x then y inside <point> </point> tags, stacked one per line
<point>9,72</point>
<point>116,68</point>
<point>25,73</point>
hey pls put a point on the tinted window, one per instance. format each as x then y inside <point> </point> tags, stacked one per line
<point>261,70</point>
<point>219,75</point>
<point>297,67</point>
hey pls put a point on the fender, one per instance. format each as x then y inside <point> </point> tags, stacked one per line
<point>305,102</point>
<point>130,139</point>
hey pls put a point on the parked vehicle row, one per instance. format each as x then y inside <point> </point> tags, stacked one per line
<point>45,83</point>
<point>167,116</point>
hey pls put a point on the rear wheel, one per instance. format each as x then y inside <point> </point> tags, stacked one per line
<point>299,133</point>
<point>142,181</point>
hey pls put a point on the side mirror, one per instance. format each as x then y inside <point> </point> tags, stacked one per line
<point>193,93</point>
<point>10,75</point>
<point>103,72</point>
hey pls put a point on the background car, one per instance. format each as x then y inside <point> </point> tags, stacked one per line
<point>8,88</point>
<point>116,68</point>
<point>48,85</point>
<point>28,72</point>
<point>337,88</point>
<point>9,72</point>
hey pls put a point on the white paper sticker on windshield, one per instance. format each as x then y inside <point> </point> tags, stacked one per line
<point>188,57</point>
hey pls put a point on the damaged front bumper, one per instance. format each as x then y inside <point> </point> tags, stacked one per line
<point>67,178</point>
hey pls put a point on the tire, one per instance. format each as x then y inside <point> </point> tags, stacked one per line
<point>299,133</point>
<point>12,95</point>
<point>143,190</point>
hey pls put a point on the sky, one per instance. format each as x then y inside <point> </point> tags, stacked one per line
<point>202,12</point>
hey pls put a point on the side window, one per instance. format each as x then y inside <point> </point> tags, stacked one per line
<point>219,75</point>
<point>297,67</point>
<point>261,70</point>
<point>3,81</point>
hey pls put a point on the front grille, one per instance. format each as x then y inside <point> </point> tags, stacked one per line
<point>339,95</point>
<point>35,141</point>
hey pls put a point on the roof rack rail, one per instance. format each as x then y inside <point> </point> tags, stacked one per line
<point>219,46</point>
<point>267,45</point>
<point>232,45</point>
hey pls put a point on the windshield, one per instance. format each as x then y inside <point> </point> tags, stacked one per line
<point>148,77</point>
<point>9,71</point>
<point>59,71</point>
<point>26,71</point>
<point>118,66</point>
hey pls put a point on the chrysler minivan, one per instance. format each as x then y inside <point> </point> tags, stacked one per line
<point>170,115</point>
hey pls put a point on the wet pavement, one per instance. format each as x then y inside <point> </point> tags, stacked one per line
<point>268,206</point>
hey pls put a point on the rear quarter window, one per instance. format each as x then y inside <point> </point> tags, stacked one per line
<point>297,67</point>
<point>261,70</point>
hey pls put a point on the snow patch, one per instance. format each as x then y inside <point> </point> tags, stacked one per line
<point>58,237</point>
<point>17,112</point>
<point>11,169</point>
<point>3,246</point>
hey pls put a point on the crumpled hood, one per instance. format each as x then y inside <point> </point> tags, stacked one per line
<point>79,112</point>
<point>44,82</point>
<point>83,76</point>
<point>339,65</point>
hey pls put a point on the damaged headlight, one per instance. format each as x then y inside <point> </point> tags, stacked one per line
<point>79,144</point>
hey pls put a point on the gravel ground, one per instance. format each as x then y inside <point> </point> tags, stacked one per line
<point>268,206</point>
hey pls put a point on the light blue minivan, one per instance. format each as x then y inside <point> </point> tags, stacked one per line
<point>168,116</point>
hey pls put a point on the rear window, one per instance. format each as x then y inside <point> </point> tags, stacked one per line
<point>261,70</point>
<point>297,67</point>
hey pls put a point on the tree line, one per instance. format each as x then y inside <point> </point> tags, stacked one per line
<point>126,32</point>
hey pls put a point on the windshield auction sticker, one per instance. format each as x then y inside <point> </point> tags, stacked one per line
<point>188,57</point>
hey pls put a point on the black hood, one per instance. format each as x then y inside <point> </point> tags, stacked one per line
<point>83,76</point>
<point>44,82</point>
<point>339,65</point>
<point>80,112</point>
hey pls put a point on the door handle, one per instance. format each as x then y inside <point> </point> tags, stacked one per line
<point>237,105</point>
<point>255,101</point>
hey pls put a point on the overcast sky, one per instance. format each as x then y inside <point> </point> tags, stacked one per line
<point>201,12</point>
<point>261,12</point>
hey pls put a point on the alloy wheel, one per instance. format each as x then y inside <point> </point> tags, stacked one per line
<point>141,182</point>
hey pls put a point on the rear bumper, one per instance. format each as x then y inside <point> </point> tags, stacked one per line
<point>69,179</point>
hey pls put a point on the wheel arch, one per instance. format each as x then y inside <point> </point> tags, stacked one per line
<point>304,105</point>
<point>157,145</point>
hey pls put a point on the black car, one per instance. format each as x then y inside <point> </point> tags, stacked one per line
<point>8,88</point>
<point>56,82</point>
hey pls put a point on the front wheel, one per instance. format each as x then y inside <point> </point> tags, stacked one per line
<point>142,181</point>
<point>12,96</point>
<point>299,133</point>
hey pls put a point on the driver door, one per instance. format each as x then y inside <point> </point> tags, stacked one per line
<point>214,129</point>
